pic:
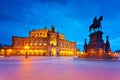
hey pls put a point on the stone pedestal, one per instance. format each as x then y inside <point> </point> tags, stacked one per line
<point>96,46</point>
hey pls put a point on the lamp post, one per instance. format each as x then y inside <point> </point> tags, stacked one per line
<point>26,48</point>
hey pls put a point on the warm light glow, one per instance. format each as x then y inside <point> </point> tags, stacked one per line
<point>53,42</point>
<point>36,50</point>
<point>2,50</point>
<point>61,36</point>
<point>66,53</point>
<point>109,53</point>
<point>81,53</point>
<point>40,44</point>
<point>53,51</point>
<point>35,43</point>
<point>116,54</point>
<point>92,51</point>
<point>10,50</point>
<point>26,47</point>
<point>44,44</point>
<point>41,51</point>
<point>100,51</point>
<point>39,33</point>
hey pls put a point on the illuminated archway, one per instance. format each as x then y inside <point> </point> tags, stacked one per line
<point>100,52</point>
<point>53,52</point>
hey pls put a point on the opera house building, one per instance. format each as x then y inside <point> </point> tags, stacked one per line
<point>42,42</point>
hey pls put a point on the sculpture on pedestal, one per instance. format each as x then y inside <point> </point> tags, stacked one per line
<point>97,48</point>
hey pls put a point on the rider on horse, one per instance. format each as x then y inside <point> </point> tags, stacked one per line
<point>96,23</point>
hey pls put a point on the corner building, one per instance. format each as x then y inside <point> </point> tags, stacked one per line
<point>42,42</point>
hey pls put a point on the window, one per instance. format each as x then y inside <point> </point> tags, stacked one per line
<point>40,43</point>
<point>37,33</point>
<point>35,43</point>
<point>31,43</point>
<point>45,44</point>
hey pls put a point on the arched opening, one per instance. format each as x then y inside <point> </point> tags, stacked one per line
<point>53,52</point>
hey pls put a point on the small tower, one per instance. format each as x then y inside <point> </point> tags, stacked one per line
<point>107,45</point>
<point>85,46</point>
<point>52,28</point>
<point>45,28</point>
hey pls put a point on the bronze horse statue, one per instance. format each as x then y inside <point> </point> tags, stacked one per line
<point>96,23</point>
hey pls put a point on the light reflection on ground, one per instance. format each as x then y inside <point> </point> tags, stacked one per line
<point>57,68</point>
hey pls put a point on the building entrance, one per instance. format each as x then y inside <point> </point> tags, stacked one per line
<point>53,52</point>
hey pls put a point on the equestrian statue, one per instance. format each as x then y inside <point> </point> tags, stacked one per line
<point>96,24</point>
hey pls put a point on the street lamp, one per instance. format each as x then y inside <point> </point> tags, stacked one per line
<point>26,48</point>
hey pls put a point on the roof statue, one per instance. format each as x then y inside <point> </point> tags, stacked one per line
<point>96,23</point>
<point>52,28</point>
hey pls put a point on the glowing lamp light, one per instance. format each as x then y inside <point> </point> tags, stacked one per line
<point>26,47</point>
<point>2,50</point>
<point>116,54</point>
<point>81,52</point>
<point>109,53</point>
<point>10,50</point>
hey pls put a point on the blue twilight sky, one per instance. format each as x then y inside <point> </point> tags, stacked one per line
<point>70,17</point>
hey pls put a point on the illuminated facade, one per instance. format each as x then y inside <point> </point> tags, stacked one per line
<point>41,42</point>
